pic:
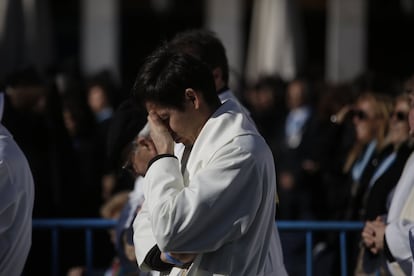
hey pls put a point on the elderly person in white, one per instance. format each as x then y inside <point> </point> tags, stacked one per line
<point>16,204</point>
<point>217,218</point>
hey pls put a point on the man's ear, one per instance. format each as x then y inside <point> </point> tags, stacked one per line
<point>193,97</point>
<point>142,141</point>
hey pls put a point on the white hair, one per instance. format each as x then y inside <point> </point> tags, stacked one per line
<point>145,131</point>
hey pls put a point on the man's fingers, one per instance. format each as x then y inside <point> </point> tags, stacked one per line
<point>368,241</point>
<point>154,120</point>
<point>369,228</point>
<point>367,235</point>
<point>374,250</point>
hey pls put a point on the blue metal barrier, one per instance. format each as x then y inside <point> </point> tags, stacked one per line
<point>87,224</point>
<point>312,226</point>
<point>92,224</point>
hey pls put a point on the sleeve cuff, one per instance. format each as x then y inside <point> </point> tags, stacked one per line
<point>387,251</point>
<point>153,260</point>
<point>159,157</point>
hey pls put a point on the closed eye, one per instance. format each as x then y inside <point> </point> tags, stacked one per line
<point>165,120</point>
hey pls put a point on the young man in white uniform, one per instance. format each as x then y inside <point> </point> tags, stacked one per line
<point>16,204</point>
<point>215,215</point>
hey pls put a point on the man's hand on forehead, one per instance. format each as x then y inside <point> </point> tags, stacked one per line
<point>160,134</point>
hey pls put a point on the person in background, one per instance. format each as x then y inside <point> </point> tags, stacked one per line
<point>390,236</point>
<point>333,129</point>
<point>136,163</point>
<point>183,228</point>
<point>100,93</point>
<point>293,143</point>
<point>334,136</point>
<point>122,206</point>
<point>33,110</point>
<point>16,203</point>
<point>33,113</point>
<point>127,133</point>
<point>370,115</point>
<point>265,101</point>
<point>381,176</point>
<point>206,46</point>
<point>385,168</point>
<point>83,158</point>
<point>99,96</point>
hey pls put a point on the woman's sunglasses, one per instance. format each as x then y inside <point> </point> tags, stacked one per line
<point>360,114</point>
<point>399,115</point>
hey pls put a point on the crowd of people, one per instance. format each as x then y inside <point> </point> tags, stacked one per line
<point>337,152</point>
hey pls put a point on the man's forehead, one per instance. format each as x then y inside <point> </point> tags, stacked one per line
<point>152,106</point>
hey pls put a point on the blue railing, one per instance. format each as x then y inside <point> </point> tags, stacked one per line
<point>312,226</point>
<point>89,225</point>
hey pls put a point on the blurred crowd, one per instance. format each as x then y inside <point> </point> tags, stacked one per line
<point>339,152</point>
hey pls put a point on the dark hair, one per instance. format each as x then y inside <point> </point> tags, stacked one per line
<point>204,45</point>
<point>127,120</point>
<point>272,82</point>
<point>167,73</point>
<point>27,76</point>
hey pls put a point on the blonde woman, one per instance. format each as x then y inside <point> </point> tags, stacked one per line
<point>384,170</point>
<point>391,162</point>
<point>370,116</point>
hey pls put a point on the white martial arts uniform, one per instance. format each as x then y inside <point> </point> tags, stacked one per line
<point>223,209</point>
<point>16,204</point>
<point>401,218</point>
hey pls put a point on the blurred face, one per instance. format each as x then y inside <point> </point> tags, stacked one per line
<point>261,100</point>
<point>70,124</point>
<point>139,155</point>
<point>27,97</point>
<point>398,126</point>
<point>96,98</point>
<point>365,121</point>
<point>295,95</point>
<point>182,125</point>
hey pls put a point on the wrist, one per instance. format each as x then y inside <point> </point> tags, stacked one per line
<point>166,150</point>
<point>159,157</point>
